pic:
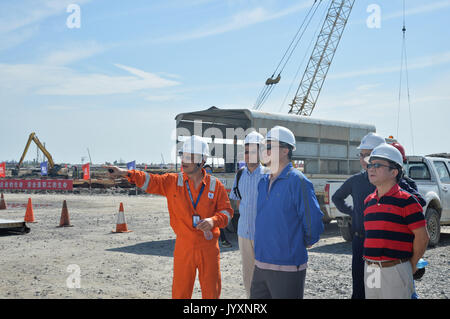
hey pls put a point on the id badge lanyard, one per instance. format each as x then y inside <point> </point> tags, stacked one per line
<point>208,234</point>
<point>198,197</point>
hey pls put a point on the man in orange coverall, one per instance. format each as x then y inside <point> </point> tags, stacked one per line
<point>198,206</point>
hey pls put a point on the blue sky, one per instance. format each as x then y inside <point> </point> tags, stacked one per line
<point>115,84</point>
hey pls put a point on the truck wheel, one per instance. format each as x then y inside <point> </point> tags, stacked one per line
<point>433,226</point>
<point>346,232</point>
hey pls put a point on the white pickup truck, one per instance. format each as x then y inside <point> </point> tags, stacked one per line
<point>432,176</point>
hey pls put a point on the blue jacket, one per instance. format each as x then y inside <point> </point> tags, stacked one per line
<point>359,187</point>
<point>288,219</point>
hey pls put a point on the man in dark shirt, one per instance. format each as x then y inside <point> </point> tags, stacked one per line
<point>359,187</point>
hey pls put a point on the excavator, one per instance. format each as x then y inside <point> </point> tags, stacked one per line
<point>54,170</point>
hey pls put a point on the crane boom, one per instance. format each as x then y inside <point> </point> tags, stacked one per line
<point>317,68</point>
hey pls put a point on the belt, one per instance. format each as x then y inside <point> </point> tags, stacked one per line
<point>385,264</point>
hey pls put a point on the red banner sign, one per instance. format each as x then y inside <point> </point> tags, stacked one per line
<point>39,184</point>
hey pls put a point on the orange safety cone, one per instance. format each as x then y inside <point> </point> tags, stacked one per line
<point>121,225</point>
<point>29,215</point>
<point>2,203</point>
<point>64,221</point>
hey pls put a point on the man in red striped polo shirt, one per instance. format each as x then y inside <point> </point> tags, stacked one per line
<point>395,228</point>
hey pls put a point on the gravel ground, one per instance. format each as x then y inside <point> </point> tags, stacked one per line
<point>138,264</point>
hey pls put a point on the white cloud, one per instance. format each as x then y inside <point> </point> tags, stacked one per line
<point>418,63</point>
<point>160,98</point>
<point>429,7</point>
<point>238,21</point>
<point>422,9</point>
<point>73,53</point>
<point>18,14</point>
<point>61,80</point>
<point>20,20</point>
<point>12,39</point>
<point>60,108</point>
<point>366,87</point>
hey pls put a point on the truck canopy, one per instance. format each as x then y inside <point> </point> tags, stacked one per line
<point>323,146</point>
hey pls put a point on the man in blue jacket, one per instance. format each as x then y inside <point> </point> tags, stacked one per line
<point>288,221</point>
<point>359,187</point>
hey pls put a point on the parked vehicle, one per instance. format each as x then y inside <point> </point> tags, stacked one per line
<point>432,176</point>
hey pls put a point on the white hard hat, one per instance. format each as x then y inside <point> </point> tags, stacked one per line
<point>195,145</point>
<point>253,138</point>
<point>387,152</point>
<point>370,141</point>
<point>281,134</point>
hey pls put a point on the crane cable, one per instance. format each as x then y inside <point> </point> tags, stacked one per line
<point>404,61</point>
<point>270,82</point>
<point>294,79</point>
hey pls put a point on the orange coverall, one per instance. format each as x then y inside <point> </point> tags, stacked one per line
<point>192,250</point>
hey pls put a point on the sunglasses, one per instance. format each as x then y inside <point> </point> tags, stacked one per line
<point>378,165</point>
<point>280,145</point>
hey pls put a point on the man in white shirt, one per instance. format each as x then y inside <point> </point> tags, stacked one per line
<point>245,192</point>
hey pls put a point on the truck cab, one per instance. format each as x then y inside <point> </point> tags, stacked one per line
<point>432,176</point>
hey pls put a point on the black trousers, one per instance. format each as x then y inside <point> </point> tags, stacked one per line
<point>271,284</point>
<point>358,268</point>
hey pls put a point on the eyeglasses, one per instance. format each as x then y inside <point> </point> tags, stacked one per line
<point>280,145</point>
<point>364,155</point>
<point>191,158</point>
<point>378,165</point>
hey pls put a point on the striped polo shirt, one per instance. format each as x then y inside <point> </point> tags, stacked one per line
<point>388,224</point>
<point>248,187</point>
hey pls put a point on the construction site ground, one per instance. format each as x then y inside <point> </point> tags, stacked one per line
<point>48,261</point>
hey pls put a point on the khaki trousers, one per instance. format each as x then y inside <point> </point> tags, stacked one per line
<point>247,249</point>
<point>394,282</point>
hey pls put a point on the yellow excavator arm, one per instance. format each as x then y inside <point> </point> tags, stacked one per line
<point>34,138</point>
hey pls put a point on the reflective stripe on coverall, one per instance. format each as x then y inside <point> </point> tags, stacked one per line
<point>192,250</point>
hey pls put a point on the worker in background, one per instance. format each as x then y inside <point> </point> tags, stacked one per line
<point>406,179</point>
<point>245,192</point>
<point>359,187</point>
<point>198,206</point>
<point>288,221</point>
<point>396,236</point>
<point>223,238</point>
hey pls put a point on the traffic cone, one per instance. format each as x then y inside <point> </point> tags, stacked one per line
<point>29,215</point>
<point>2,203</point>
<point>121,225</point>
<point>64,221</point>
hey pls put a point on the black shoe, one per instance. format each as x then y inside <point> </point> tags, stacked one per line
<point>226,244</point>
